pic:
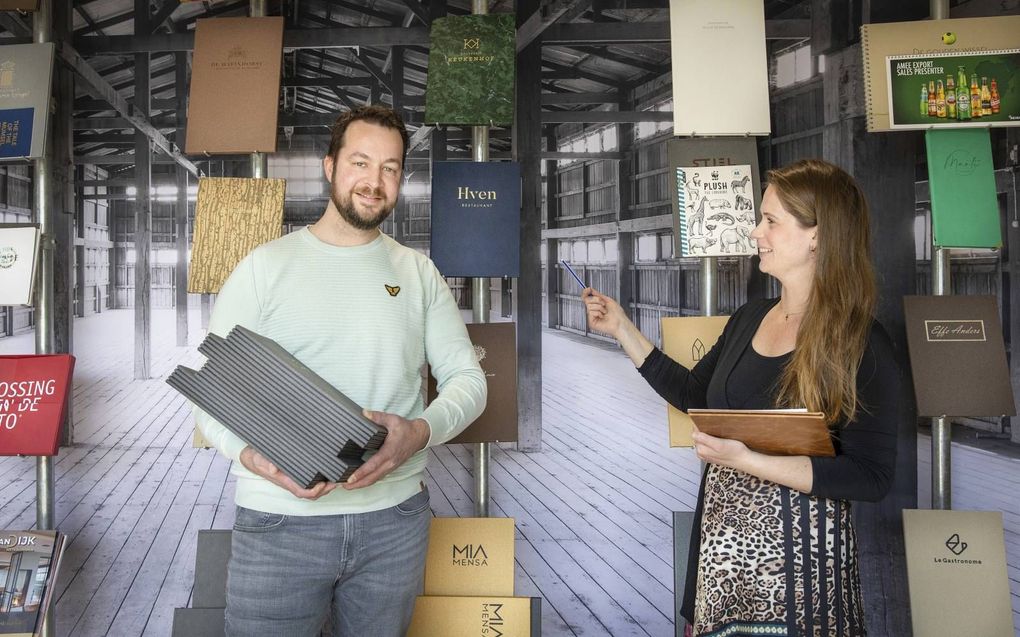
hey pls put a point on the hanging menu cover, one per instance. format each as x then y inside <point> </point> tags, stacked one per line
<point>933,40</point>
<point>496,349</point>
<point>26,79</point>
<point>472,61</point>
<point>957,573</point>
<point>686,339</point>
<point>476,218</point>
<point>235,85</point>
<point>19,255</point>
<point>29,562</point>
<point>476,616</point>
<point>233,216</point>
<point>716,211</point>
<point>961,181</point>
<point>957,90</point>
<point>957,356</point>
<point>702,152</point>
<point>33,395</point>
<point>719,47</point>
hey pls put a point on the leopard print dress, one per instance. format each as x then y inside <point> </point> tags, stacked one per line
<point>774,561</point>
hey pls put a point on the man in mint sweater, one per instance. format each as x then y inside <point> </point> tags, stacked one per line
<point>366,314</point>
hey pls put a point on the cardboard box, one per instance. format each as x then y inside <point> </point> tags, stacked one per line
<point>476,616</point>
<point>470,556</point>
<point>686,339</point>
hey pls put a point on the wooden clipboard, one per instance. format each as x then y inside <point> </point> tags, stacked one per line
<point>786,433</point>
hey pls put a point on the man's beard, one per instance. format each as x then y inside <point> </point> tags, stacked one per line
<point>345,206</point>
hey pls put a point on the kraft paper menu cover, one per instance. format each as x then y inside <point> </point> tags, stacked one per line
<point>233,216</point>
<point>235,85</point>
<point>931,37</point>
<point>957,356</point>
<point>686,339</point>
<point>470,556</point>
<point>957,574</point>
<point>961,179</point>
<point>786,433</point>
<point>476,616</point>
<point>719,45</point>
<point>496,348</point>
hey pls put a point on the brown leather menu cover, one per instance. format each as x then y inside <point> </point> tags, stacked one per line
<point>957,356</point>
<point>496,349</point>
<point>784,433</point>
<point>235,85</point>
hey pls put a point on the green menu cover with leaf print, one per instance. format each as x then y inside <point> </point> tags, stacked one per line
<point>961,178</point>
<point>471,70</point>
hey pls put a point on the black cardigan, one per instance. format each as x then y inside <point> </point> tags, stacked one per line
<point>865,449</point>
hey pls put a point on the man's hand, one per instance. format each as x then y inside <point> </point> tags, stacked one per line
<point>404,438</point>
<point>260,465</point>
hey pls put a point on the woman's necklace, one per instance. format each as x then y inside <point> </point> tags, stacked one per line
<point>787,315</point>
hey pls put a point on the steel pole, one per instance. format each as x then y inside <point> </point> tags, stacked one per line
<point>42,32</point>
<point>480,303</point>
<point>941,428</point>
<point>709,286</point>
<point>259,161</point>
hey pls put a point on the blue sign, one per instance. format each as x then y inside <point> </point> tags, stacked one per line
<point>16,132</point>
<point>476,218</point>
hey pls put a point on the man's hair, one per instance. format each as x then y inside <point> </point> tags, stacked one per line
<point>380,115</point>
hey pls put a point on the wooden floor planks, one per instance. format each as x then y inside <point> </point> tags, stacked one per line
<point>592,510</point>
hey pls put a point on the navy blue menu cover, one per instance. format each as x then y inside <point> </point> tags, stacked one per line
<point>476,218</point>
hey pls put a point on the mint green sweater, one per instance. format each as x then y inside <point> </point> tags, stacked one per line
<point>334,308</point>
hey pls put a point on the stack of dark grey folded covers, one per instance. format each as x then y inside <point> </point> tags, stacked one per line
<point>285,411</point>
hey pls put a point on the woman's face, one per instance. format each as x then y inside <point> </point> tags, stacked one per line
<point>784,245</point>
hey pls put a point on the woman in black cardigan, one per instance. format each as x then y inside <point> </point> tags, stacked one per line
<point>776,552</point>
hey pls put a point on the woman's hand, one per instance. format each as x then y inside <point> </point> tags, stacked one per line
<point>604,313</point>
<point>790,471</point>
<point>721,451</point>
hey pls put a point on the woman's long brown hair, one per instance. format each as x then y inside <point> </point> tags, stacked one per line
<point>822,373</point>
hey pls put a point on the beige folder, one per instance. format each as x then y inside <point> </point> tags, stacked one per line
<point>235,86</point>
<point>686,339</point>
<point>956,573</point>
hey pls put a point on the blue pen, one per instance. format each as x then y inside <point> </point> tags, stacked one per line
<point>573,274</point>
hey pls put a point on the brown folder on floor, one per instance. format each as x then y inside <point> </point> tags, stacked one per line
<point>786,433</point>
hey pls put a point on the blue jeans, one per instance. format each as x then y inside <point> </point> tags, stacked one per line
<point>287,573</point>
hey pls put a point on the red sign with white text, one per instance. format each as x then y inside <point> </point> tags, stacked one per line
<point>33,393</point>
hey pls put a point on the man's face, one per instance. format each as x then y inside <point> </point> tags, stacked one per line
<point>364,176</point>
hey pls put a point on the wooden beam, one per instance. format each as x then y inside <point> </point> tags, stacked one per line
<point>541,19</point>
<point>588,33</point>
<point>335,38</point>
<point>606,117</point>
<point>549,99</point>
<point>128,111</point>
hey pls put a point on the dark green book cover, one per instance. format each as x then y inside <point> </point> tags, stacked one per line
<point>961,178</point>
<point>471,70</point>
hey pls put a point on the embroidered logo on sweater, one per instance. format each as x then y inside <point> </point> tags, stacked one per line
<point>392,289</point>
